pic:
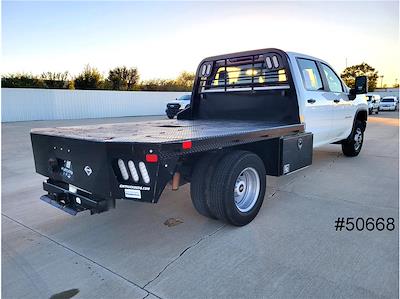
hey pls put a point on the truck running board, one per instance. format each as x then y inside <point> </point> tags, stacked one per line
<point>73,202</point>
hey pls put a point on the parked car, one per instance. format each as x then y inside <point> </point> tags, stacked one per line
<point>252,114</point>
<point>373,103</point>
<point>388,103</point>
<point>178,105</point>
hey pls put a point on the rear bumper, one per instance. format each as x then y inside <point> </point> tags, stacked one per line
<point>387,108</point>
<point>93,169</point>
<point>73,202</point>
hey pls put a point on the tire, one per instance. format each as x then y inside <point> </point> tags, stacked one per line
<point>377,111</point>
<point>170,116</point>
<point>369,111</point>
<point>200,183</point>
<point>352,146</point>
<point>239,175</point>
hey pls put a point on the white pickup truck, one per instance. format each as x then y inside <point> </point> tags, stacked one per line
<point>251,114</point>
<point>327,106</point>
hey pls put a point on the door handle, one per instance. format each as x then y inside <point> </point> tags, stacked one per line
<point>336,100</point>
<point>311,101</point>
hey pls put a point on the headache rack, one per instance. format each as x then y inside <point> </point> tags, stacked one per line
<point>251,85</point>
<point>245,73</point>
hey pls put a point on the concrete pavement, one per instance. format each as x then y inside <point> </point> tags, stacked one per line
<point>291,249</point>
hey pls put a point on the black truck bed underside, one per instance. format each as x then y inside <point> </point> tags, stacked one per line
<point>170,131</point>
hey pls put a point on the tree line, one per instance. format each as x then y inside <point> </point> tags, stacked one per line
<point>119,78</point>
<point>124,78</point>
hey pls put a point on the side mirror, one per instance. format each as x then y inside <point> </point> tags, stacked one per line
<point>361,85</point>
<point>352,94</point>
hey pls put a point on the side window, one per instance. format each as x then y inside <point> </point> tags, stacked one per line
<point>309,72</point>
<point>333,80</point>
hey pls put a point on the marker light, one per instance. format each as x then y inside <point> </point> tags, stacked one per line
<point>269,62</point>
<point>133,171</point>
<point>144,173</point>
<point>275,61</point>
<point>151,158</point>
<point>208,71</point>
<point>203,70</point>
<point>187,145</point>
<point>122,169</point>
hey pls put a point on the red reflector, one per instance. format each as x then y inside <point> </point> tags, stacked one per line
<point>152,158</point>
<point>187,145</point>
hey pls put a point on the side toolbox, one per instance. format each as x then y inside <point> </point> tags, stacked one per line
<point>295,152</point>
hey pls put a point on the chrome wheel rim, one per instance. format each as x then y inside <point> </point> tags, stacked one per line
<point>246,190</point>
<point>358,138</point>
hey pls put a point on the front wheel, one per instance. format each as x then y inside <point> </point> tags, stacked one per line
<point>238,188</point>
<point>352,146</point>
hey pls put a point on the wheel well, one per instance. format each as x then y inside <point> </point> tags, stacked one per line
<point>362,116</point>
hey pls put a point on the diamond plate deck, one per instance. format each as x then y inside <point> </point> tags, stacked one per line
<point>166,131</point>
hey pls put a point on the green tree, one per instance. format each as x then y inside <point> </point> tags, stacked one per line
<point>22,80</point>
<point>158,85</point>
<point>350,73</point>
<point>55,80</point>
<point>185,80</point>
<point>90,78</point>
<point>123,78</point>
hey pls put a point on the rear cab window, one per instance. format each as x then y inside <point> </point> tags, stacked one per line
<point>261,72</point>
<point>242,75</point>
<point>310,74</point>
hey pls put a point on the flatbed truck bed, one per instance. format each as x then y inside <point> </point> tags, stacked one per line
<point>243,123</point>
<point>199,132</point>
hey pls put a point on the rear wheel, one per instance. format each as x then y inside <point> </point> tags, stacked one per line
<point>353,145</point>
<point>200,183</point>
<point>238,188</point>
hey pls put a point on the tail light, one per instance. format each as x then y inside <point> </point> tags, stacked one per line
<point>122,169</point>
<point>151,158</point>
<point>133,171</point>
<point>144,173</point>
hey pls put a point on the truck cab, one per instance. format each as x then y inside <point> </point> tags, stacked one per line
<point>324,103</point>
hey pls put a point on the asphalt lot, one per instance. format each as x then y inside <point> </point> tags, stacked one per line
<point>290,250</point>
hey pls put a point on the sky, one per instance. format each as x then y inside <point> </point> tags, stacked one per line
<point>164,38</point>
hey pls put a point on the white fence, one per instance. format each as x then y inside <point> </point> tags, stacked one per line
<point>23,104</point>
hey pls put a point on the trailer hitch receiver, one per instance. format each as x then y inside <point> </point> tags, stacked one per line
<point>72,200</point>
